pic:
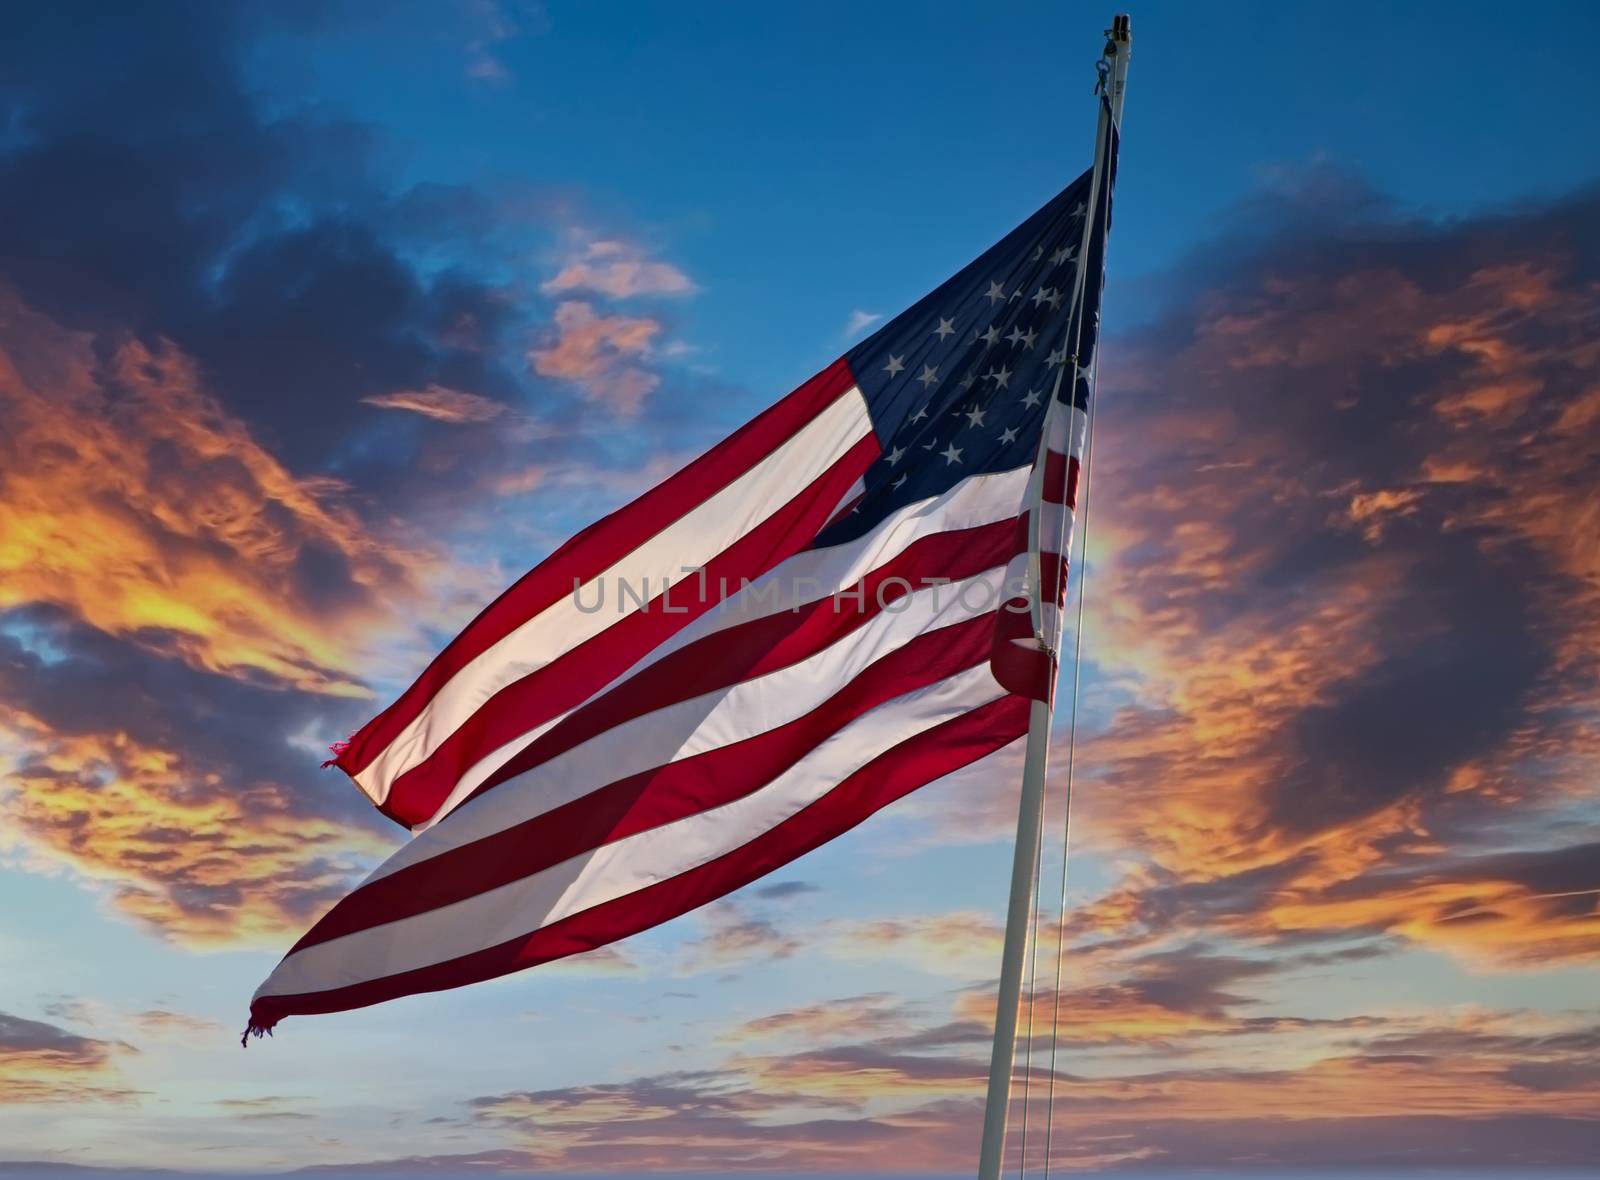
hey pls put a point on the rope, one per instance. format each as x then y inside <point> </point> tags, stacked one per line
<point>1072,747</point>
<point>1029,991</point>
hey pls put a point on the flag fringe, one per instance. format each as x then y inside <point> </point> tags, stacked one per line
<point>338,749</point>
<point>257,1030</point>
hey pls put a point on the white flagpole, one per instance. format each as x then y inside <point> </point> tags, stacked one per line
<point>1030,811</point>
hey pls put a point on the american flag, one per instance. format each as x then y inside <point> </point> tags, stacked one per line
<point>834,606</point>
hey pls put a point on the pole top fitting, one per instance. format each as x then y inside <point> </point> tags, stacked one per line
<point>1119,34</point>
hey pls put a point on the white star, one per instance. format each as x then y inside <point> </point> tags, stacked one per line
<point>988,337</point>
<point>952,454</point>
<point>1000,376</point>
<point>930,375</point>
<point>968,381</point>
<point>1065,254</point>
<point>1058,357</point>
<point>945,328</point>
<point>995,294</point>
<point>1080,210</point>
<point>896,363</point>
<point>1016,335</point>
<point>1032,399</point>
<point>975,417</point>
<point>1055,299</point>
<point>1044,295</point>
<point>895,486</point>
<point>1029,338</point>
<point>920,414</point>
<point>930,444</point>
<point>896,455</point>
<point>1038,253</point>
<point>1008,435</point>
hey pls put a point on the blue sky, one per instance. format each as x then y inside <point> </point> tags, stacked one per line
<point>800,158</point>
<point>286,285</point>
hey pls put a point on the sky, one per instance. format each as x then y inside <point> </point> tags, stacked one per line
<point>321,323</point>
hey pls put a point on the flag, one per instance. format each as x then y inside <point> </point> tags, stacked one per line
<point>834,606</point>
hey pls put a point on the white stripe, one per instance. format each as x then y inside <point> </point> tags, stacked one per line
<point>692,540</point>
<point>805,577</point>
<point>1066,432</point>
<point>706,722</point>
<point>1055,523</point>
<point>817,573</point>
<point>615,870</point>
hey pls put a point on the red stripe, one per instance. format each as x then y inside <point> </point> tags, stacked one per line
<point>764,645</point>
<point>651,798</point>
<point>895,773</point>
<point>1060,479</point>
<point>578,673</point>
<point>600,546</point>
<point>1055,478</point>
<point>1019,664</point>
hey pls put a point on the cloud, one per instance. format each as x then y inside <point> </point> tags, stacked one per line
<point>598,352</point>
<point>620,270</point>
<point>440,403</point>
<point>494,23</point>
<point>860,321</point>
<point>784,890</point>
<point>208,539</point>
<point>197,859</point>
<point>134,501</point>
<point>601,961</point>
<point>1507,911</point>
<point>40,1062</point>
<point>1343,600</point>
<point>734,937</point>
<point>161,1022</point>
<point>1415,1085</point>
<point>963,943</point>
<point>871,1015</point>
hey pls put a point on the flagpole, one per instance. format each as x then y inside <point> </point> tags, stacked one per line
<point>1030,808</point>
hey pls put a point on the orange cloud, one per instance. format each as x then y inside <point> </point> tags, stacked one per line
<point>1493,923</point>
<point>1322,486</point>
<point>440,403</point>
<point>1405,1079</point>
<point>856,1016</point>
<point>599,353</point>
<point>42,1063</point>
<point>201,861</point>
<point>963,943</point>
<point>134,501</point>
<point>620,270</point>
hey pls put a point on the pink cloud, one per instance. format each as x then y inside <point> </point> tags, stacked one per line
<point>620,270</point>
<point>440,403</point>
<point>598,352</point>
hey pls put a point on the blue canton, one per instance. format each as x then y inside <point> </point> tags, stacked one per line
<point>958,384</point>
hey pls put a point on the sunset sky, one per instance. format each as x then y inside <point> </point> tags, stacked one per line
<point>321,323</point>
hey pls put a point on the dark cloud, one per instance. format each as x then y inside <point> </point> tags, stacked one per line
<point>1420,1141</point>
<point>1345,485</point>
<point>42,1062</point>
<point>784,890</point>
<point>1193,980</point>
<point>20,1037</point>
<point>147,189</point>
